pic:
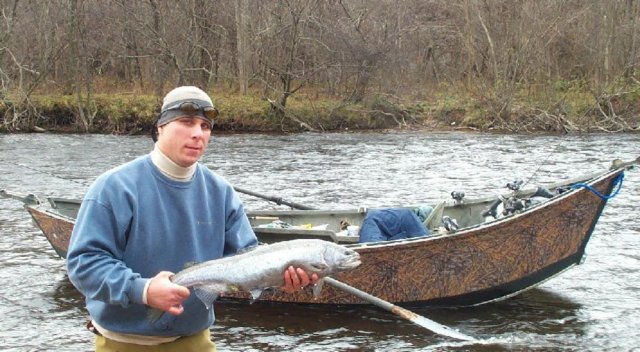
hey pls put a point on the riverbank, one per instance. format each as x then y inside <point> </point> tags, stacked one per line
<point>525,112</point>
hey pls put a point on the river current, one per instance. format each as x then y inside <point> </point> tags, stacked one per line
<point>592,307</point>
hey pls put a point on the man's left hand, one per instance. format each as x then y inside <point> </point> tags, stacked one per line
<point>295,279</point>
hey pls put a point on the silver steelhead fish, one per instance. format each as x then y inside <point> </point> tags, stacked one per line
<point>263,267</point>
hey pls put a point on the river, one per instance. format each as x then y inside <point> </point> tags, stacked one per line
<point>594,306</point>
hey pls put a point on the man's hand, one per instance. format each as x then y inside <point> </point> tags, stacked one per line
<point>165,295</point>
<point>295,279</point>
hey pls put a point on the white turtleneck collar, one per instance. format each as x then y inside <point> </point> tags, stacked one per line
<point>171,169</point>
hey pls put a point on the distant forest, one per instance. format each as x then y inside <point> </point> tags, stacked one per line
<point>495,55</point>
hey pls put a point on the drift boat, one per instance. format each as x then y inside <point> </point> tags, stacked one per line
<point>477,251</point>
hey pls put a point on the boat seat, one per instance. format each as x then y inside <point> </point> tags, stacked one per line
<point>433,220</point>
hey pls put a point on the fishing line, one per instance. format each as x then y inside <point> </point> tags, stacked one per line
<point>543,163</point>
<point>53,175</point>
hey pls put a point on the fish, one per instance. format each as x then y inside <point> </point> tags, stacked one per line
<point>263,267</point>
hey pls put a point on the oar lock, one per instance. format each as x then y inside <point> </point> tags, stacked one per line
<point>448,223</point>
<point>451,225</point>
<point>515,185</point>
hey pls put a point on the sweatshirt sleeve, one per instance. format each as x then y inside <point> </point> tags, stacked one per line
<point>238,231</point>
<point>94,262</point>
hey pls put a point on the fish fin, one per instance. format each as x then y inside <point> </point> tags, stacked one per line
<point>189,264</point>
<point>320,267</point>
<point>317,288</point>
<point>206,295</point>
<point>255,294</point>
<point>247,249</point>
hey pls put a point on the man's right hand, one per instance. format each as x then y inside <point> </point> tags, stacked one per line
<point>165,295</point>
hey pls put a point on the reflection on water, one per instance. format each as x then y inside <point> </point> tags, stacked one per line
<point>591,307</point>
<point>66,296</point>
<point>537,312</point>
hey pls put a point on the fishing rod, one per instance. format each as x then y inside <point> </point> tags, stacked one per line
<point>277,200</point>
<point>516,185</point>
<point>542,163</point>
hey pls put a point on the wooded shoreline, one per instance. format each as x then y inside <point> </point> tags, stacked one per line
<point>132,114</point>
<point>102,66</point>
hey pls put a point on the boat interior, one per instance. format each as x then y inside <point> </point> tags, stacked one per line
<point>444,217</point>
<point>342,226</point>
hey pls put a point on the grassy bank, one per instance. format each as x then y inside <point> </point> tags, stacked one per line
<point>560,109</point>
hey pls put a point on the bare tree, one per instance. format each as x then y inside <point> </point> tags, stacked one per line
<point>498,51</point>
<point>242,35</point>
<point>285,44</point>
<point>82,77</point>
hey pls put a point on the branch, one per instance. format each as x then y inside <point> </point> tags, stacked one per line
<point>290,115</point>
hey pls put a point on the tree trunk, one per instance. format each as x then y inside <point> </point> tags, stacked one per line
<point>74,34</point>
<point>242,35</point>
<point>632,18</point>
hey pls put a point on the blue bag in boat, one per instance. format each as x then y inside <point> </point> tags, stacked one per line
<point>391,224</point>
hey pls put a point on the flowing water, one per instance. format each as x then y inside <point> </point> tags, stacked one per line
<point>592,307</point>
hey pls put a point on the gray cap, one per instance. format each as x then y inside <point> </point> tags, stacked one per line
<point>181,95</point>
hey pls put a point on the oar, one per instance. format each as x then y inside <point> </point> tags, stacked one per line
<point>276,200</point>
<point>399,311</point>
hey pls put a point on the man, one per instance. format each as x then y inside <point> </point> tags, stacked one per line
<point>147,219</point>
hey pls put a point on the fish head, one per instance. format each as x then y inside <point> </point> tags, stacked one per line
<point>339,258</point>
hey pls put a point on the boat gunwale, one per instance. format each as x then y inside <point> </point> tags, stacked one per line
<point>466,231</point>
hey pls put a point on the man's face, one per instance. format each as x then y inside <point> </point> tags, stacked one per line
<point>184,140</point>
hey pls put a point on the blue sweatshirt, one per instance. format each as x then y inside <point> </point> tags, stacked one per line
<point>135,222</point>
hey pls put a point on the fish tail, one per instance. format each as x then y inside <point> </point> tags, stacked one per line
<point>255,294</point>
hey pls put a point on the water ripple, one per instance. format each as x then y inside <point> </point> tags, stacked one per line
<point>592,307</point>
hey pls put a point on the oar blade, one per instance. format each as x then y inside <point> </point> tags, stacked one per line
<point>399,311</point>
<point>440,329</point>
